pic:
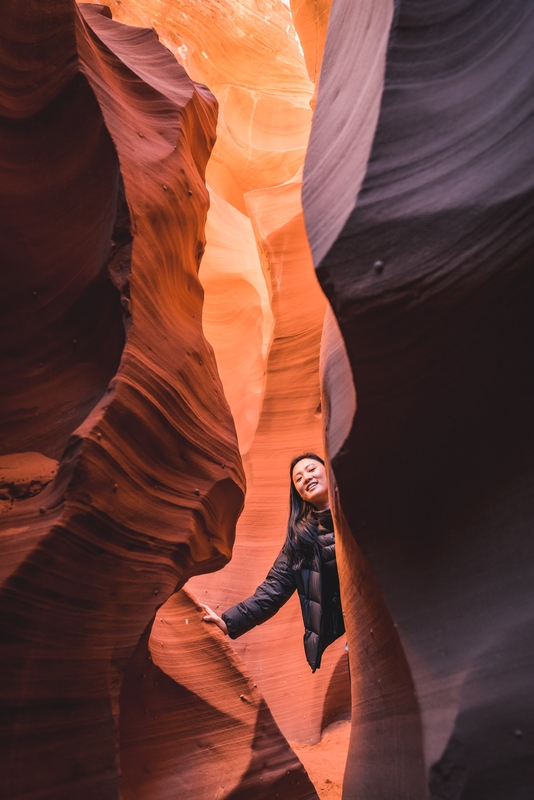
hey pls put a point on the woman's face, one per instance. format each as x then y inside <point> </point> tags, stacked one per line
<point>309,479</point>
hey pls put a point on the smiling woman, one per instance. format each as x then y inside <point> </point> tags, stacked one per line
<point>306,563</point>
<point>309,479</point>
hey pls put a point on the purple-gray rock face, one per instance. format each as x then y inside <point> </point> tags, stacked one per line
<point>430,276</point>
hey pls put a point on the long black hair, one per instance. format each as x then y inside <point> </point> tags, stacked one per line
<point>301,538</point>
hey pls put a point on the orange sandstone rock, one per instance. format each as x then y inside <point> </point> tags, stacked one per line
<point>25,474</point>
<point>150,485</point>
<point>193,724</point>
<point>237,318</point>
<point>250,58</point>
<point>290,422</point>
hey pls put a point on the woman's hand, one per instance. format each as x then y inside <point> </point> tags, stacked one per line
<point>211,616</point>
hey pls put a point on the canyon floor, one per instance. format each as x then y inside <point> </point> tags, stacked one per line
<point>325,761</point>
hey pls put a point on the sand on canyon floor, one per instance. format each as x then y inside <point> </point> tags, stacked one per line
<point>325,761</point>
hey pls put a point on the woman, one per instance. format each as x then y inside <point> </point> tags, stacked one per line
<point>306,563</point>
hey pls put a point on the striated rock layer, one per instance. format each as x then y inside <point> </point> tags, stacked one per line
<point>429,274</point>
<point>264,310</point>
<point>290,423</point>
<point>193,724</point>
<point>150,484</point>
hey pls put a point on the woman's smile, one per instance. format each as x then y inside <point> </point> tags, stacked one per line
<point>309,479</point>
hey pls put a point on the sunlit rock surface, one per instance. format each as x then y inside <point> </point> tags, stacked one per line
<point>24,475</point>
<point>290,422</point>
<point>430,277</point>
<point>150,485</point>
<point>237,317</point>
<point>193,723</point>
<point>104,154</point>
<point>263,310</point>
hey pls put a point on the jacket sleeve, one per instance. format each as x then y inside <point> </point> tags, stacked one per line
<point>268,598</point>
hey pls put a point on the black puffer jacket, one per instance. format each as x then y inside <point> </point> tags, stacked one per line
<point>317,583</point>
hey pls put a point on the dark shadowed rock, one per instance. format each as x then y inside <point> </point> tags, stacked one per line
<point>430,275</point>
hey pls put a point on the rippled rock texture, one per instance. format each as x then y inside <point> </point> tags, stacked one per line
<point>104,145</point>
<point>128,437</point>
<point>150,484</point>
<point>263,309</point>
<point>429,273</point>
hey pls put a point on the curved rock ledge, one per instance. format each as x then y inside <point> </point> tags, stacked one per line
<point>418,196</point>
<point>186,688</point>
<point>263,313</point>
<point>150,485</point>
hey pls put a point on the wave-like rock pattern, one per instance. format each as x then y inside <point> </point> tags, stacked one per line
<point>263,313</point>
<point>186,687</point>
<point>61,328</point>
<point>150,485</point>
<point>430,277</point>
<point>289,423</point>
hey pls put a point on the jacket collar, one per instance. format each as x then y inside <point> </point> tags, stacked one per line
<point>324,519</point>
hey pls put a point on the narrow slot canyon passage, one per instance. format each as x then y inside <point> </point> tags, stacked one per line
<point>234,231</point>
<point>263,315</point>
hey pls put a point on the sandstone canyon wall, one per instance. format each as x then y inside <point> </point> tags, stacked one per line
<point>105,140</point>
<point>263,310</point>
<point>163,332</point>
<point>428,269</point>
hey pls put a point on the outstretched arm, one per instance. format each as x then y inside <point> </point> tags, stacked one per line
<point>268,598</point>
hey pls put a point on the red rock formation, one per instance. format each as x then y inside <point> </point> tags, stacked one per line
<point>311,21</point>
<point>193,724</point>
<point>258,73</point>
<point>237,317</point>
<point>24,475</point>
<point>59,187</point>
<point>289,423</point>
<point>150,485</point>
<point>429,273</point>
<point>338,154</point>
<point>417,209</point>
